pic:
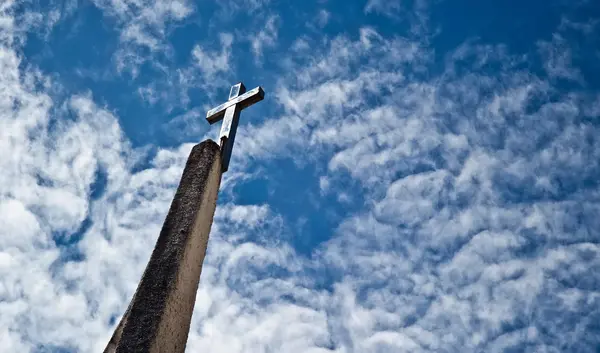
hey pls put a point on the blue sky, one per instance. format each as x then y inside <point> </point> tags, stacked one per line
<point>422,175</point>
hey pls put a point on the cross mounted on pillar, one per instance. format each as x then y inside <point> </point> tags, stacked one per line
<point>229,112</point>
<point>159,315</point>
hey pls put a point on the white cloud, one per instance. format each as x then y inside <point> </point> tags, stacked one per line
<point>251,6</point>
<point>447,255</point>
<point>323,18</point>
<point>212,63</point>
<point>384,6</point>
<point>414,12</point>
<point>142,25</point>
<point>478,230</point>
<point>265,38</point>
<point>557,59</point>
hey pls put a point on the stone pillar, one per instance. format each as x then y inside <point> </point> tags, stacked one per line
<point>159,315</point>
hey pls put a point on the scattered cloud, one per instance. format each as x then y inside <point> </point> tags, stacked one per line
<point>143,27</point>
<point>414,12</point>
<point>474,223</point>
<point>251,6</point>
<point>265,38</point>
<point>322,18</point>
<point>482,177</point>
<point>383,6</point>
<point>557,59</point>
<point>211,63</point>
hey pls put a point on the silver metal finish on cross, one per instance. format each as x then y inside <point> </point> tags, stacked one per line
<point>229,112</point>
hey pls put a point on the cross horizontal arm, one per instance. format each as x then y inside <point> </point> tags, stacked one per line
<point>244,101</point>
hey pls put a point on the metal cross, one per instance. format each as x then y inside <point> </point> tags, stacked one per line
<point>229,112</point>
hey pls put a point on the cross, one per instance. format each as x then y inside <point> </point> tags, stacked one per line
<point>229,112</point>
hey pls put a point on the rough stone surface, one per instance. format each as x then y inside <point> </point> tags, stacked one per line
<point>159,316</point>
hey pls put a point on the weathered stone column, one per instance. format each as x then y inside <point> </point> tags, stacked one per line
<point>159,315</point>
